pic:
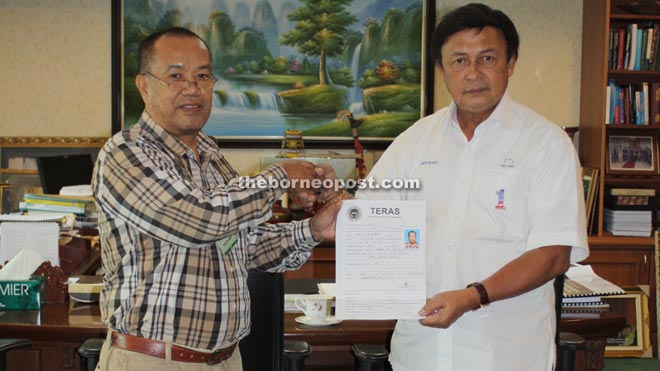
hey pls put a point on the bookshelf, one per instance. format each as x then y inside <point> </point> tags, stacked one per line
<point>599,17</point>
<point>626,261</point>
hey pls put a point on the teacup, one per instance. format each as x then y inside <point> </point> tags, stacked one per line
<point>315,307</point>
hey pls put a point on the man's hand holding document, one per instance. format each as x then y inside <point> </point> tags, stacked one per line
<point>380,259</point>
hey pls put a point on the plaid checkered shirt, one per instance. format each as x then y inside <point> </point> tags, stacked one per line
<point>163,219</point>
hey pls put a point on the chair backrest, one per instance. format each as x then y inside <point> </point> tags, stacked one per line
<point>568,344</point>
<point>262,349</point>
<point>559,295</point>
<point>8,344</point>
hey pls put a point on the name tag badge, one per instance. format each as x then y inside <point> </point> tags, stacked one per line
<point>227,243</point>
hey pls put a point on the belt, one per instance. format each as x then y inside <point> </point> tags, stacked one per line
<point>157,348</point>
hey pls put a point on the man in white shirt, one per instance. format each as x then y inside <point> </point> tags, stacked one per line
<point>505,209</point>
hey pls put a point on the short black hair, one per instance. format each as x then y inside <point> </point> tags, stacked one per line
<point>474,16</point>
<point>146,50</point>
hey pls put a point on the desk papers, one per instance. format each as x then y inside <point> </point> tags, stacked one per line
<point>582,281</point>
<point>380,262</point>
<point>42,237</point>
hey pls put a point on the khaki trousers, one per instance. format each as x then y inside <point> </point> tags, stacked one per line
<point>114,359</point>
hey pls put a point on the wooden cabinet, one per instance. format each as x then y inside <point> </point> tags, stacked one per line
<point>625,265</point>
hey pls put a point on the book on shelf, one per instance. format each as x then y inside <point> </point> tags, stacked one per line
<point>634,47</point>
<point>569,312</point>
<point>639,46</point>
<point>654,102</point>
<point>629,203</point>
<point>628,104</point>
<point>644,103</point>
<point>585,305</point>
<point>608,104</point>
<point>630,192</point>
<point>584,302</point>
<point>654,44</point>
<point>643,57</point>
<point>579,299</point>
<point>628,47</point>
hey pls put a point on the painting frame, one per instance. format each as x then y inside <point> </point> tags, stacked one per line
<point>590,180</point>
<point>619,145</point>
<point>633,305</point>
<point>273,141</point>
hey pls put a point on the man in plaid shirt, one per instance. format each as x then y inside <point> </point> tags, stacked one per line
<point>179,230</point>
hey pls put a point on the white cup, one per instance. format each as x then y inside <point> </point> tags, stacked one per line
<point>315,307</point>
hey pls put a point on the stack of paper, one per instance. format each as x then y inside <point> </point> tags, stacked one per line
<point>327,288</point>
<point>41,237</point>
<point>584,289</point>
<point>636,223</point>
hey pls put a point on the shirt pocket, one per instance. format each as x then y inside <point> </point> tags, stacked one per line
<point>498,204</point>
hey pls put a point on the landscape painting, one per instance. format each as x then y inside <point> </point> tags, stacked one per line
<point>293,64</point>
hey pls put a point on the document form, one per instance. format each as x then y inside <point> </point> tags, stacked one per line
<point>380,268</point>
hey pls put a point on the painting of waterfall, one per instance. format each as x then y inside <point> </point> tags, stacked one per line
<point>292,64</point>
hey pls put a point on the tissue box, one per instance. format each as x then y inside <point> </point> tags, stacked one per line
<point>25,294</point>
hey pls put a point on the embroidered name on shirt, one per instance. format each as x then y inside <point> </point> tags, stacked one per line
<point>508,162</point>
<point>429,162</point>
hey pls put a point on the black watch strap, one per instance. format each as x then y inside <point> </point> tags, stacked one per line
<point>483,294</point>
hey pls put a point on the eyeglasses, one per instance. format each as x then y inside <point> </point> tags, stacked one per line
<point>202,81</point>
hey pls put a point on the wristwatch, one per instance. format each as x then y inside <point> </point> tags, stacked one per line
<point>483,294</point>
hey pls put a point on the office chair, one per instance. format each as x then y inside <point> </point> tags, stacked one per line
<point>264,348</point>
<point>8,344</point>
<point>373,357</point>
<point>89,353</point>
<point>568,343</point>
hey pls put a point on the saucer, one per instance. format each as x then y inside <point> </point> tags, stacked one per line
<point>326,322</point>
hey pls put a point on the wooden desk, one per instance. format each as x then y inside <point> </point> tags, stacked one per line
<point>57,334</point>
<point>331,345</point>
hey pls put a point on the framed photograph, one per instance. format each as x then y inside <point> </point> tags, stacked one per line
<point>275,73</point>
<point>590,183</point>
<point>632,154</point>
<point>634,339</point>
